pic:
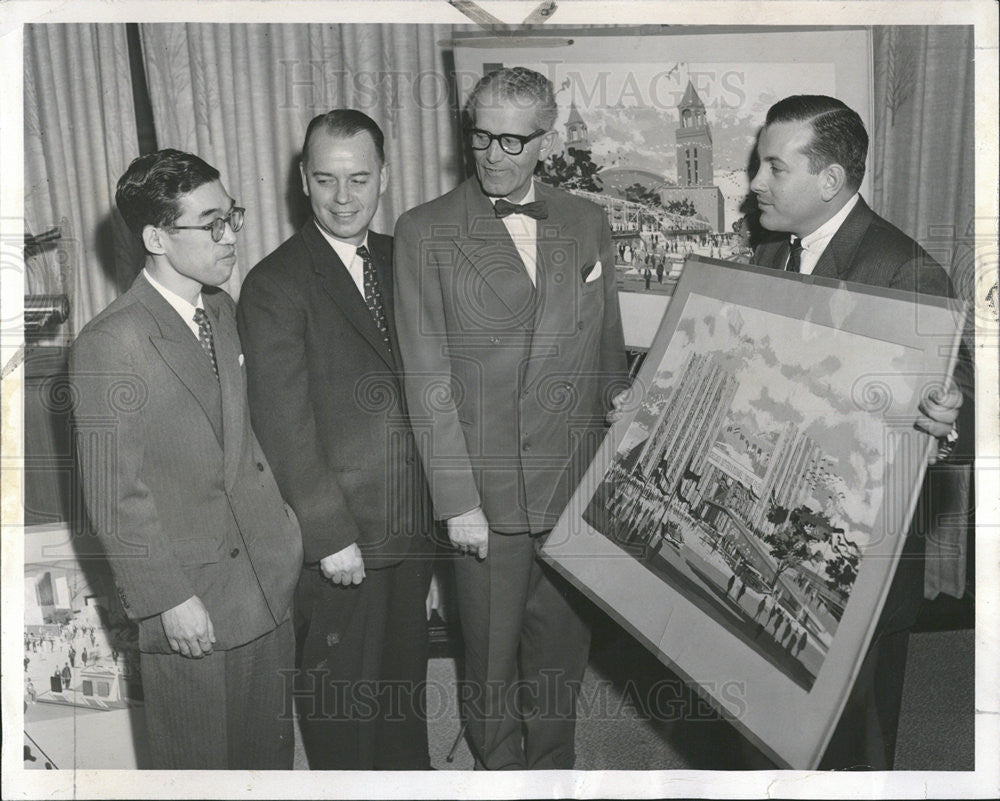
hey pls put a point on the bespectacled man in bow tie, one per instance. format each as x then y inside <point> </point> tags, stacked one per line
<point>512,348</point>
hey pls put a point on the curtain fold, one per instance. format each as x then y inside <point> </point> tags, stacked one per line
<point>241,96</point>
<point>79,136</point>
<point>923,146</point>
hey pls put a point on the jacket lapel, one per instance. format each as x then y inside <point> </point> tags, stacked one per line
<point>837,258</point>
<point>227,355</point>
<point>338,284</point>
<point>491,252</point>
<point>182,353</point>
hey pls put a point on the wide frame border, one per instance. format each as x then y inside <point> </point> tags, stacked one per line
<point>790,724</point>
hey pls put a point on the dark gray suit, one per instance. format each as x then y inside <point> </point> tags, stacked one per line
<point>328,405</point>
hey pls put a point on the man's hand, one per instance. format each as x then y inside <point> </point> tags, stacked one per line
<point>618,405</point>
<point>344,567</point>
<point>189,629</point>
<point>470,532</point>
<point>938,413</point>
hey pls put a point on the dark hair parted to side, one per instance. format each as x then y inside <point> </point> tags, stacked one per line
<point>839,135</point>
<point>345,122</point>
<point>148,191</point>
<point>520,86</point>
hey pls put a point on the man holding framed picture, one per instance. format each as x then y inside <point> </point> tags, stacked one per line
<point>812,152</point>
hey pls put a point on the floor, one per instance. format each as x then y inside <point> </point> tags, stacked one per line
<point>617,727</point>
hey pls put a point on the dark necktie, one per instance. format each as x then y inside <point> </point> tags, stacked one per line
<point>794,256</point>
<point>205,338</point>
<point>373,294</point>
<point>536,210</point>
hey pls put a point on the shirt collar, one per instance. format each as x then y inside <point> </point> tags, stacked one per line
<point>528,198</point>
<point>179,304</point>
<point>826,231</point>
<point>345,250</point>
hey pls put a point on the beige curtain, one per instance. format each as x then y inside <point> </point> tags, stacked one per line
<point>923,148</point>
<point>923,179</point>
<point>241,96</point>
<point>79,136</point>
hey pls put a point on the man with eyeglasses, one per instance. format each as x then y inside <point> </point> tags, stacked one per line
<point>512,347</point>
<point>204,552</point>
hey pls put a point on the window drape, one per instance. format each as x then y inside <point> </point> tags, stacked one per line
<point>923,146</point>
<point>241,96</point>
<point>79,136</point>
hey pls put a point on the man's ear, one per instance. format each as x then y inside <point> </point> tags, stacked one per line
<point>548,144</point>
<point>302,174</point>
<point>383,177</point>
<point>152,239</point>
<point>833,179</point>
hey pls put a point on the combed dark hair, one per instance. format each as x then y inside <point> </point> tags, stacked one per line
<point>148,191</point>
<point>520,86</point>
<point>839,135</point>
<point>346,122</point>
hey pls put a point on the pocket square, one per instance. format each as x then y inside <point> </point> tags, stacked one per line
<point>591,273</point>
<point>241,360</point>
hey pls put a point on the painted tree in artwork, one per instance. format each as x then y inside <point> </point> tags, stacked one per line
<point>795,536</point>
<point>842,570</point>
<point>683,206</point>
<point>638,193</point>
<point>573,169</point>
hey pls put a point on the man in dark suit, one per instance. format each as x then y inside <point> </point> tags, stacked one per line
<point>512,349</point>
<point>322,354</point>
<point>204,551</point>
<point>812,153</point>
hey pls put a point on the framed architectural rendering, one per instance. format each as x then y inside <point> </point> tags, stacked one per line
<point>745,516</point>
<point>658,124</point>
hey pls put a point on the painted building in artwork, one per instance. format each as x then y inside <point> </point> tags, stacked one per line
<point>576,130</point>
<point>690,422</point>
<point>695,162</point>
<point>788,474</point>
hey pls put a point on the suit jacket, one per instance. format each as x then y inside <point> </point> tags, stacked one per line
<point>509,384</point>
<point>868,250</point>
<point>327,401</point>
<point>176,484</point>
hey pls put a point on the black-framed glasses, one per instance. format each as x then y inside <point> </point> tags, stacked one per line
<point>511,144</point>
<point>218,226</point>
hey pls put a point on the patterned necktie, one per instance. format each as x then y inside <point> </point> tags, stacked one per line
<point>373,294</point>
<point>794,256</point>
<point>205,337</point>
<point>536,210</point>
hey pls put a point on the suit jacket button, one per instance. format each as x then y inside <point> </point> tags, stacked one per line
<point>260,467</point>
<point>234,553</point>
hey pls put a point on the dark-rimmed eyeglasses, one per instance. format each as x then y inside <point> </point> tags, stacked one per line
<point>511,144</point>
<point>218,226</point>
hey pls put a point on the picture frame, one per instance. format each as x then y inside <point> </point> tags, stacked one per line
<point>621,93</point>
<point>745,516</point>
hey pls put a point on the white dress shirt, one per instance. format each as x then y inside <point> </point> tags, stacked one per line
<point>349,256</point>
<point>181,306</point>
<point>815,243</point>
<point>524,231</point>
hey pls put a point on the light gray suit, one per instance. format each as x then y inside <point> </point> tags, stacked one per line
<point>508,388</point>
<point>184,503</point>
